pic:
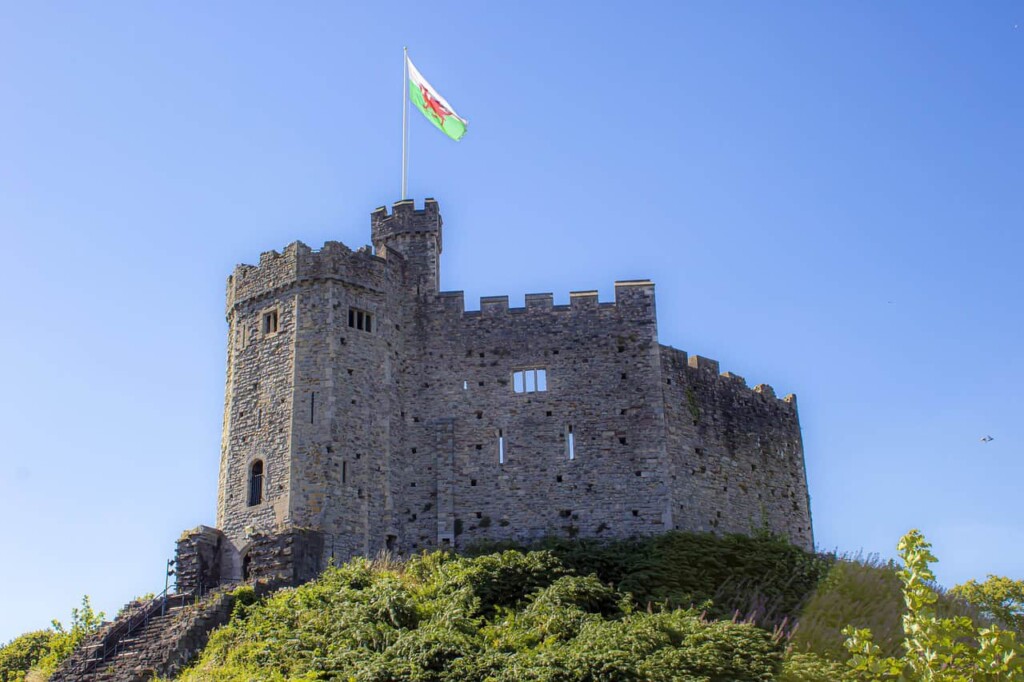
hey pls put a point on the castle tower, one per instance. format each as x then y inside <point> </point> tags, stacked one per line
<point>416,236</point>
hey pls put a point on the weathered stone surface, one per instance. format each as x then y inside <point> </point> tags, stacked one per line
<point>148,640</point>
<point>410,436</point>
<point>197,559</point>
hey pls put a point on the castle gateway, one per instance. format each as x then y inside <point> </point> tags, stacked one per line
<point>366,410</point>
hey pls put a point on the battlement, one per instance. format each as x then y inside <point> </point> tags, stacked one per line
<point>405,218</point>
<point>298,262</point>
<point>635,297</point>
<point>708,369</point>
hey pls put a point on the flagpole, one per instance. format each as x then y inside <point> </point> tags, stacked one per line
<point>405,120</point>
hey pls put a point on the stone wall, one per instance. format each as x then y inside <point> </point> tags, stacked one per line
<point>735,453</point>
<point>603,382</point>
<point>197,560</point>
<point>288,558</point>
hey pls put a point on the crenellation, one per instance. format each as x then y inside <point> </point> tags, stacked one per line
<point>492,305</point>
<point>735,378</point>
<point>701,363</point>
<point>540,301</point>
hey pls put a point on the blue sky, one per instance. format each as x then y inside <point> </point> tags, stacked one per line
<point>828,196</point>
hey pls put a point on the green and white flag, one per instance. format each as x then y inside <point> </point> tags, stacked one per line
<point>433,106</point>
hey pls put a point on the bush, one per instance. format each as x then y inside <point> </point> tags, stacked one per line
<point>937,649</point>
<point>506,616</point>
<point>764,578</point>
<point>22,653</point>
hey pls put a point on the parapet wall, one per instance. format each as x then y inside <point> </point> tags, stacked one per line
<point>298,263</point>
<point>405,218</point>
<point>633,296</point>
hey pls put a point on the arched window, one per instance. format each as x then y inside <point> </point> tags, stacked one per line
<point>256,483</point>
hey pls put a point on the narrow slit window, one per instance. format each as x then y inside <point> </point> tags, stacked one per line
<point>270,322</point>
<point>570,442</point>
<point>256,483</point>
<point>531,380</point>
<point>312,407</point>
<point>501,446</point>
<point>344,472</point>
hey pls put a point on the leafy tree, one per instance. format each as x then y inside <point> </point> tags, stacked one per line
<point>999,598</point>
<point>937,649</point>
<point>22,653</point>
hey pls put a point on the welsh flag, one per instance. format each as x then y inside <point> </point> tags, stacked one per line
<point>433,106</point>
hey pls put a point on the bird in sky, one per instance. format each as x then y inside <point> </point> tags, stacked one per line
<point>985,439</point>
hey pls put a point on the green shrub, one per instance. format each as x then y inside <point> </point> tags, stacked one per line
<point>763,578</point>
<point>506,616</point>
<point>937,649</point>
<point>22,653</point>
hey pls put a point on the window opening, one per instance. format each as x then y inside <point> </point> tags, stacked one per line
<point>344,472</point>
<point>312,406</point>
<point>501,446</point>
<point>256,483</point>
<point>531,380</point>
<point>570,442</point>
<point>360,319</point>
<point>270,322</point>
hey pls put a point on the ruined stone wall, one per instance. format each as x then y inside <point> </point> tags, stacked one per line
<point>197,560</point>
<point>735,453</point>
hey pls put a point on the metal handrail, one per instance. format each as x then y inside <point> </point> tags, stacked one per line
<point>115,637</point>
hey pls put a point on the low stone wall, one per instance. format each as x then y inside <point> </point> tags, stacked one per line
<point>197,559</point>
<point>289,558</point>
<point>181,642</point>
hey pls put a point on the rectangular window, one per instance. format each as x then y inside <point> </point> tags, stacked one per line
<point>270,322</point>
<point>570,442</point>
<point>501,446</point>
<point>531,380</point>
<point>344,472</point>
<point>360,319</point>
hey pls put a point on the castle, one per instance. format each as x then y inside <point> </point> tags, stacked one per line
<point>366,410</point>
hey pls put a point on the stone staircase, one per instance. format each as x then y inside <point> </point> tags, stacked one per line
<point>149,640</point>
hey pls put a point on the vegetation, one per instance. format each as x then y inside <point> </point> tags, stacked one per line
<point>936,649</point>
<point>504,616</point>
<point>35,655</point>
<point>763,579</point>
<point>998,598</point>
<point>683,607</point>
<point>22,653</point>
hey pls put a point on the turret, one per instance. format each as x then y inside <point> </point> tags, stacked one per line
<point>416,236</point>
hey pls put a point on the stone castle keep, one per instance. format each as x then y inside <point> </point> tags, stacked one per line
<point>366,410</point>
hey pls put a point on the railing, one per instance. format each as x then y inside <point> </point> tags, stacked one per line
<point>114,638</point>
